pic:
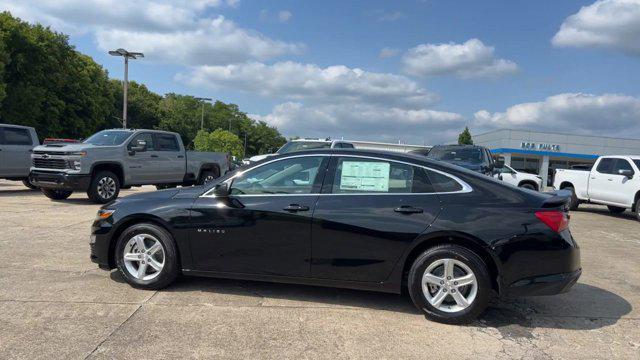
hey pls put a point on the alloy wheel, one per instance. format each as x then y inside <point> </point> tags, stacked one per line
<point>106,187</point>
<point>144,257</point>
<point>449,285</point>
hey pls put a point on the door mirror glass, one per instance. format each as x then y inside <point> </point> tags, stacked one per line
<point>626,172</point>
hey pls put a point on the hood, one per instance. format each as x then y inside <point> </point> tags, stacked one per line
<point>467,165</point>
<point>63,147</point>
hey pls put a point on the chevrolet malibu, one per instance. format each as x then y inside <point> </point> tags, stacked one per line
<point>347,218</point>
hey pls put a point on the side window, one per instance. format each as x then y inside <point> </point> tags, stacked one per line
<point>15,136</point>
<point>167,142</point>
<point>442,183</point>
<point>358,175</point>
<point>147,137</point>
<point>290,176</point>
<point>605,166</point>
<point>622,164</point>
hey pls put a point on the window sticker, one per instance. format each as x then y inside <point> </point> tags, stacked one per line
<point>365,176</point>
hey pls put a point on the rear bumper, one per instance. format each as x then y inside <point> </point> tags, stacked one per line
<point>60,180</point>
<point>544,285</point>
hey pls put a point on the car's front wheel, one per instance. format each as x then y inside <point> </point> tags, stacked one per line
<point>105,187</point>
<point>146,256</point>
<point>28,184</point>
<point>450,284</point>
<point>528,186</point>
<point>56,194</point>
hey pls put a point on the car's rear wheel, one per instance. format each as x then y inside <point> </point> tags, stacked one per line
<point>616,209</point>
<point>56,194</point>
<point>146,256</point>
<point>574,202</point>
<point>637,209</point>
<point>450,284</point>
<point>28,184</point>
<point>105,187</point>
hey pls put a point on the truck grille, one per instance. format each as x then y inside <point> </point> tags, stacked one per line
<point>49,163</point>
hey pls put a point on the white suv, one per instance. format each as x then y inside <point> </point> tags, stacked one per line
<point>305,144</point>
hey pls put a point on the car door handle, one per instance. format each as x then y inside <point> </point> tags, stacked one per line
<point>405,209</point>
<point>154,156</point>
<point>296,208</point>
<point>610,179</point>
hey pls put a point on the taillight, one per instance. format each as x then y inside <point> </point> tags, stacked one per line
<point>555,220</point>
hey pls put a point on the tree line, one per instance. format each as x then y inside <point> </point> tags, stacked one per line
<point>49,85</point>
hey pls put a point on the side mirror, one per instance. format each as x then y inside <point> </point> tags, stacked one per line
<point>222,189</point>
<point>626,172</point>
<point>140,146</point>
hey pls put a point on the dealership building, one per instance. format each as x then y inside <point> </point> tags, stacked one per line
<point>542,152</point>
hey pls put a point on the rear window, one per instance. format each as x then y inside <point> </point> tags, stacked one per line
<point>167,142</point>
<point>358,175</point>
<point>16,136</point>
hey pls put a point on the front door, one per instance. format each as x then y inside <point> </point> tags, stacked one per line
<point>368,211</point>
<point>601,179</point>
<point>264,225</point>
<point>141,165</point>
<point>622,186</point>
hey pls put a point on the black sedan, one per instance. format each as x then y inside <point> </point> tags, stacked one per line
<point>347,218</point>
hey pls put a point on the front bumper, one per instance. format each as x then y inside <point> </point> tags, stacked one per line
<point>60,180</point>
<point>100,243</point>
<point>544,285</point>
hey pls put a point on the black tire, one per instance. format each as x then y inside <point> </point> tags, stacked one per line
<point>574,202</point>
<point>104,187</point>
<point>169,271</point>
<point>207,176</point>
<point>468,258</point>
<point>56,194</point>
<point>165,186</point>
<point>528,186</point>
<point>636,209</point>
<point>28,184</point>
<point>616,209</point>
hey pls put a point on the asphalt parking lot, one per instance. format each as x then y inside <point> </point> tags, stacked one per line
<point>55,303</point>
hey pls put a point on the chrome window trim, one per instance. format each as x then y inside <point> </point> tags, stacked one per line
<point>466,188</point>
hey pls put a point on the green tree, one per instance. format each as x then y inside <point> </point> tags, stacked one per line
<point>219,141</point>
<point>465,137</point>
<point>48,84</point>
<point>142,105</point>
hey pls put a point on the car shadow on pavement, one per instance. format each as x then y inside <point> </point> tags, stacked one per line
<point>584,307</point>
<point>20,192</point>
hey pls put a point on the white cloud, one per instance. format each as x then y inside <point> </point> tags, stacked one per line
<point>613,24</point>
<point>387,52</point>
<point>390,15</point>
<point>471,59</point>
<point>284,16</point>
<point>178,32</point>
<point>587,114</point>
<point>364,122</point>
<point>297,81</point>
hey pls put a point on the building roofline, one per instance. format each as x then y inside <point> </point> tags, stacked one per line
<point>554,133</point>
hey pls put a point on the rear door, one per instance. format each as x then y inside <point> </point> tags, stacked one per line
<point>16,151</point>
<point>170,158</point>
<point>601,179</point>
<point>370,209</point>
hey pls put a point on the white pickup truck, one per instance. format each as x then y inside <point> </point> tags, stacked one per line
<point>613,181</point>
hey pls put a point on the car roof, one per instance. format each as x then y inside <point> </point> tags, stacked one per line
<point>17,126</point>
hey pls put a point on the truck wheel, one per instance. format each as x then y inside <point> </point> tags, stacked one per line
<point>616,209</point>
<point>573,204</point>
<point>637,209</point>
<point>528,186</point>
<point>28,184</point>
<point>104,187</point>
<point>56,194</point>
<point>207,176</point>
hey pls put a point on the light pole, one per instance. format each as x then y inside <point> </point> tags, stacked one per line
<point>202,100</point>
<point>126,55</point>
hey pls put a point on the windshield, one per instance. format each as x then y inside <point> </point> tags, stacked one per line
<point>293,146</point>
<point>471,155</point>
<point>108,137</point>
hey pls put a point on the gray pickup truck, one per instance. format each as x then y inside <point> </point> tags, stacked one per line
<point>113,159</point>
<point>16,144</point>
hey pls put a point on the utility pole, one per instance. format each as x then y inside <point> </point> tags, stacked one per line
<point>126,55</point>
<point>202,100</point>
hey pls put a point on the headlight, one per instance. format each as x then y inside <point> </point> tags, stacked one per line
<point>104,214</point>
<point>77,153</point>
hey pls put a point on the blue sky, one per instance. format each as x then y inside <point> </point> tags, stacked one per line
<point>315,68</point>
